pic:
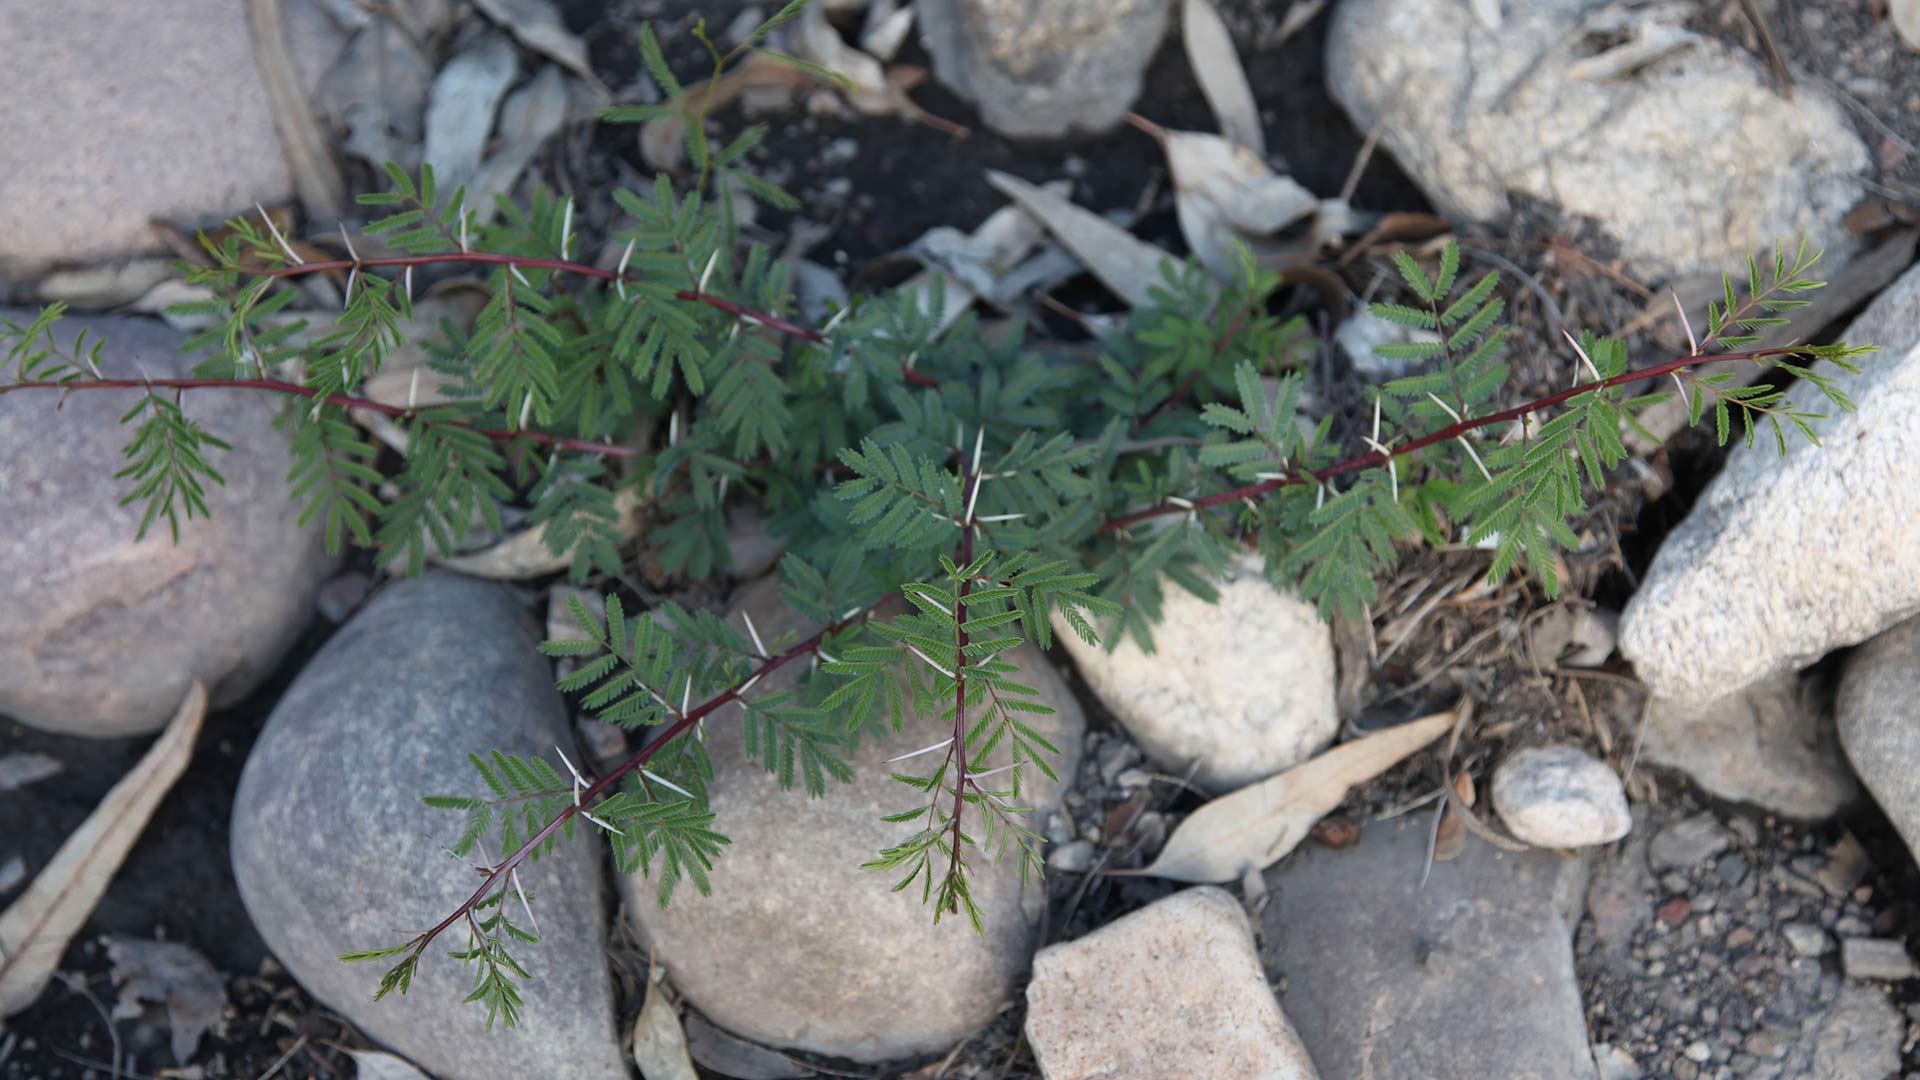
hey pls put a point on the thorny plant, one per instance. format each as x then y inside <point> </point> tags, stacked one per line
<point>946,494</point>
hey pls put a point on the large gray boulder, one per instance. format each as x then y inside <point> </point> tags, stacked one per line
<point>1044,70</point>
<point>139,111</point>
<point>1771,744</point>
<point>1467,976</point>
<point>334,852</point>
<point>103,632</point>
<point>1783,559</point>
<point>799,947</point>
<point>1676,143</point>
<point>1879,718</point>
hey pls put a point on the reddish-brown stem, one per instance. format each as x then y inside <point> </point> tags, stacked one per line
<point>960,676</point>
<point>1451,431</point>
<point>499,873</point>
<point>278,386</point>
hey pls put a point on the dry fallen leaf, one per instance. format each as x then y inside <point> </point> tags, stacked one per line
<point>374,1065</point>
<point>886,28</point>
<point>460,112</point>
<point>1254,827</point>
<point>315,176</point>
<point>532,115</point>
<point>1224,82</point>
<point>972,265</point>
<point>539,27</point>
<point>173,974</point>
<point>1224,193</point>
<point>733,1056</point>
<point>659,1044</point>
<point>377,93</point>
<point>34,931</point>
<point>1122,261</point>
<point>1450,836</point>
<point>525,554</point>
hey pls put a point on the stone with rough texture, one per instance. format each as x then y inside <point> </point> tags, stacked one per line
<point>140,111</point>
<point>333,851</point>
<point>1879,718</point>
<point>1770,745</point>
<point>1560,797</point>
<point>1044,70</point>
<point>1687,843</point>
<point>1468,977</point>
<point>1689,161</point>
<point>103,632</point>
<point>799,947</point>
<point>1174,989</point>
<point>1784,559</point>
<point>1860,1037</point>
<point>1195,699</point>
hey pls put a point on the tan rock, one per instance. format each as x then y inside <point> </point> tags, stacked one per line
<point>102,632</point>
<point>799,947</point>
<point>1174,989</point>
<point>1242,688</point>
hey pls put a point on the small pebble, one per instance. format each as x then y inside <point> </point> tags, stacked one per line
<point>1560,797</point>
<point>1806,939</point>
<point>1698,1051</point>
<point>1686,843</point>
<point>1675,911</point>
<point>1876,958</point>
<point>1073,857</point>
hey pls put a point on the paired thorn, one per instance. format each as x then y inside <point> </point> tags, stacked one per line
<point>1378,447</point>
<point>278,239</point>
<point>759,647</point>
<point>942,744</point>
<point>1462,437</point>
<point>1693,343</point>
<point>915,650</point>
<point>1582,353</point>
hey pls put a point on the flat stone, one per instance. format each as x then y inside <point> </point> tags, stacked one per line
<point>1044,70</point>
<point>1468,977</point>
<point>1174,989</point>
<point>140,111</point>
<point>1560,797</point>
<point>1876,958</point>
<point>1688,162</point>
<point>1858,1037</point>
<point>334,852</point>
<point>1806,939</point>
<point>103,632</point>
<point>1191,703</point>
<point>1875,716</point>
<point>1687,843</point>
<point>1771,745</point>
<point>856,970</point>
<point>1784,559</point>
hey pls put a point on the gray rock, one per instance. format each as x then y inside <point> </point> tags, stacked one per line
<point>1174,989</point>
<point>1875,713</point>
<point>751,552</point>
<point>1770,745</point>
<point>333,851</point>
<point>1784,559</point>
<point>1687,843</point>
<point>1043,70</point>
<point>1468,977</point>
<point>1859,1038</point>
<point>1614,1063</point>
<point>103,632</point>
<point>1191,704</point>
<point>1689,161</point>
<point>1806,939</point>
<point>1876,958</point>
<point>140,111</point>
<point>854,970</point>
<point>1072,857</point>
<point>1560,797</point>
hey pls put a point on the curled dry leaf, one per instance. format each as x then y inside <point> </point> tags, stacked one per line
<point>34,931</point>
<point>733,1056</point>
<point>173,974</point>
<point>1223,193</point>
<point>525,554</point>
<point>538,26</point>
<point>1224,82</point>
<point>659,1043</point>
<point>375,1065</point>
<point>315,176</point>
<point>1123,262</point>
<point>1256,826</point>
<point>460,112</point>
<point>972,265</point>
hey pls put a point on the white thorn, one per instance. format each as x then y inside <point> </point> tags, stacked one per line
<point>686,696</point>
<point>850,613</point>
<point>826,657</point>
<point>514,877</point>
<point>1481,465</point>
<point>916,753</point>
<point>353,275</point>
<point>463,230</point>
<point>1693,344</point>
<point>517,275</point>
<point>576,772</point>
<point>1376,420</point>
<point>281,240</point>
<point>1582,354</point>
<point>621,271</point>
<point>1444,407</point>
<point>348,240</point>
<point>1184,504</point>
<point>673,428</point>
<point>722,486</point>
<point>1001,517</point>
<point>589,816</point>
<point>915,650</point>
<point>759,649</point>
<point>413,388</point>
<point>979,442</point>
<point>708,272</point>
<point>407,278</point>
<point>566,227</point>
<point>972,498</point>
<point>835,321</point>
<point>744,687</point>
<point>1320,500</point>
<point>993,772</point>
<point>1269,476</point>
<point>1682,387</point>
<point>665,783</point>
<point>526,410</point>
<point>620,286</point>
<point>934,602</point>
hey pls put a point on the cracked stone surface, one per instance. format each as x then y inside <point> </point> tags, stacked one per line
<point>1676,143</point>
